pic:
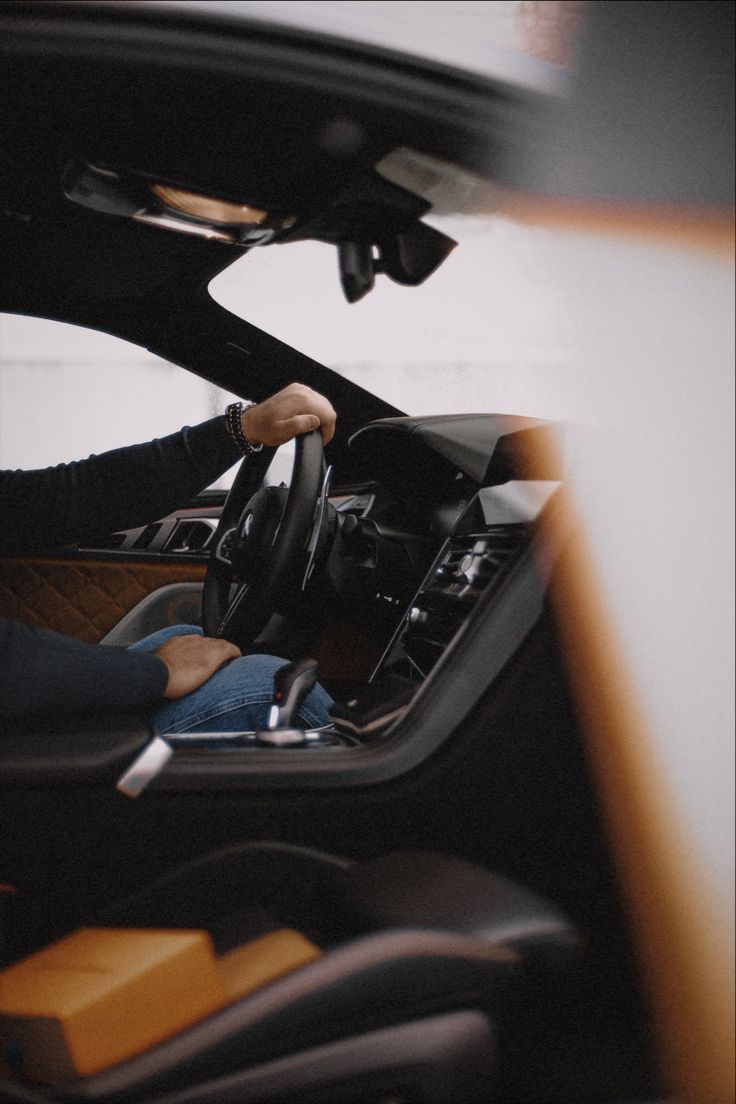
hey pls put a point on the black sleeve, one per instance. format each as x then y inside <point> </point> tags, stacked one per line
<point>60,506</point>
<point>42,672</point>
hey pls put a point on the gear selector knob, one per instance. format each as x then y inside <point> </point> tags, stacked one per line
<point>291,684</point>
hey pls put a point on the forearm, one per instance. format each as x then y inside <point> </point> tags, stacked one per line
<point>60,506</point>
<point>44,672</point>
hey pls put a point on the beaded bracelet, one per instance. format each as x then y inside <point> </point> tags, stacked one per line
<point>234,424</point>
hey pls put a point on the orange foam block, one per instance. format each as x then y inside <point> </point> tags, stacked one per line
<point>102,995</point>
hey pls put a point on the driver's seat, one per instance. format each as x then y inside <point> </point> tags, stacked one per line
<point>419,961</point>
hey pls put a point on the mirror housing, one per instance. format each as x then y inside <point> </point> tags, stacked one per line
<point>407,257</point>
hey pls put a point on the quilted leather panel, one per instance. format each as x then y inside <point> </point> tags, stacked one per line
<point>82,598</point>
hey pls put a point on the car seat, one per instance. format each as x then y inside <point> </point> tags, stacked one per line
<point>419,960</point>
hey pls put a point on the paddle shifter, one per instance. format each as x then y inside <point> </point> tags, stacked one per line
<point>291,684</point>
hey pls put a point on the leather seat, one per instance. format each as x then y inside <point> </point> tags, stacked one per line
<point>422,953</point>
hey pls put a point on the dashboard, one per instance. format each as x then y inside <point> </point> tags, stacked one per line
<point>436,558</point>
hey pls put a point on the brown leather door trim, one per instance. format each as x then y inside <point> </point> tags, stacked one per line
<point>83,598</point>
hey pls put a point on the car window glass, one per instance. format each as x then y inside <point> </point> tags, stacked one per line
<point>486,331</point>
<point>67,392</point>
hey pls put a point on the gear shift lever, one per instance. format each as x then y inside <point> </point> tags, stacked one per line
<point>291,684</point>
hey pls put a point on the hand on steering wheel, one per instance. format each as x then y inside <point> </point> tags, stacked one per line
<point>261,544</point>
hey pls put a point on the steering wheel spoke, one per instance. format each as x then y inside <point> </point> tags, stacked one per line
<point>232,609</point>
<point>223,549</point>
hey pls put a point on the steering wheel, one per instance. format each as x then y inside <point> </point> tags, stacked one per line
<point>260,543</point>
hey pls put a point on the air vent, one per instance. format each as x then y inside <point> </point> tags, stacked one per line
<point>190,536</point>
<point>469,566</point>
<point>145,538</point>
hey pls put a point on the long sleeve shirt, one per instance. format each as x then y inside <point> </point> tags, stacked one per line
<point>58,507</point>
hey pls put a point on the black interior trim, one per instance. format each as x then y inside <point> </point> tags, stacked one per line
<point>55,751</point>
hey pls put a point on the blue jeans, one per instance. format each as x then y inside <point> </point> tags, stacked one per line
<point>235,699</point>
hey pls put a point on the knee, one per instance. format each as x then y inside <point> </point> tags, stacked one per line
<point>249,680</point>
<point>155,640</point>
<point>252,675</point>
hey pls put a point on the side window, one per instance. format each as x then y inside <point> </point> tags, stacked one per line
<point>67,392</point>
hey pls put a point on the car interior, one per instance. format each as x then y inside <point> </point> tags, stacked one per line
<point>417,903</point>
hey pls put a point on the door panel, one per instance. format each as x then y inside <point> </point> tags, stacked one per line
<point>87,598</point>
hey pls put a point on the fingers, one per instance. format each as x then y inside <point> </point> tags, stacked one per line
<point>225,650</point>
<point>295,409</point>
<point>292,427</point>
<point>191,660</point>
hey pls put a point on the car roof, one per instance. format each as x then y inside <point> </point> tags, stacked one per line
<point>204,96</point>
<point>471,37</point>
<point>210,99</point>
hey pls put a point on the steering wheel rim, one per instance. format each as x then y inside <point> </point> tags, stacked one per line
<point>260,543</point>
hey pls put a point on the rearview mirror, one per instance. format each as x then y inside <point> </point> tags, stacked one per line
<point>407,257</point>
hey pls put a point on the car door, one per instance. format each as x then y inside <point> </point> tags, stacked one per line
<point>68,392</point>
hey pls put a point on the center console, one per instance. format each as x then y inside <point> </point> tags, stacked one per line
<point>486,541</point>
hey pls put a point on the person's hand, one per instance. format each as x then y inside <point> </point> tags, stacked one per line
<point>191,660</point>
<point>295,410</point>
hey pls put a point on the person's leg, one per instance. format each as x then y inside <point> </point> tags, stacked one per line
<point>154,640</point>
<point>236,699</point>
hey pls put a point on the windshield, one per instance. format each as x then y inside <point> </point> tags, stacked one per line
<point>486,331</point>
